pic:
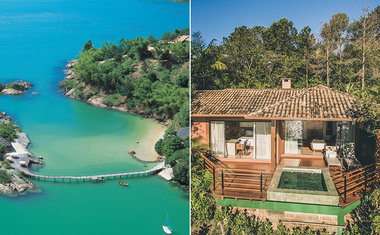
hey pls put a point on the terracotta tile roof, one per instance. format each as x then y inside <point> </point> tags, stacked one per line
<point>316,102</point>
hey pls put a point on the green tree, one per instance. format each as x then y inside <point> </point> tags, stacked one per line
<point>305,41</point>
<point>8,131</point>
<point>181,172</point>
<point>339,24</point>
<point>171,145</point>
<point>87,46</point>
<point>327,45</point>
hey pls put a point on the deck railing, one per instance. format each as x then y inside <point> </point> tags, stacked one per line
<point>237,183</point>
<point>353,185</point>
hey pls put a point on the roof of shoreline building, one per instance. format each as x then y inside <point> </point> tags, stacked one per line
<point>318,102</point>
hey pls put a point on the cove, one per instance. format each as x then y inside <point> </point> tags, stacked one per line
<point>36,40</point>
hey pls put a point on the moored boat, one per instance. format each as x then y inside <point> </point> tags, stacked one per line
<point>167,229</point>
<point>122,183</point>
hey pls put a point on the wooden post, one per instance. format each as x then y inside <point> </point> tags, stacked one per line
<point>345,187</point>
<point>261,185</point>
<point>273,146</point>
<point>213,176</point>
<point>222,182</point>
<point>365,181</point>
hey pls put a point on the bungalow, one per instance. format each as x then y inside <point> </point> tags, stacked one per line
<point>263,132</point>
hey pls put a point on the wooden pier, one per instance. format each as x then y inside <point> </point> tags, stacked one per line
<point>94,178</point>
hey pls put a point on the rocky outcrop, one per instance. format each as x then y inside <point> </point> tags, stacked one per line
<point>10,91</point>
<point>5,143</point>
<point>4,118</point>
<point>23,139</point>
<point>16,88</point>
<point>18,184</point>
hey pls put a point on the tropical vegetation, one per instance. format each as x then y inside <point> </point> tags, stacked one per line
<point>207,217</point>
<point>144,75</point>
<point>345,56</point>
<point>9,131</point>
<point>176,152</point>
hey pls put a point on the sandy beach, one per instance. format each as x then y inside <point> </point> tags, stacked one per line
<point>145,148</point>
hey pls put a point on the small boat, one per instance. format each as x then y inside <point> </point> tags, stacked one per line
<point>167,229</point>
<point>122,183</point>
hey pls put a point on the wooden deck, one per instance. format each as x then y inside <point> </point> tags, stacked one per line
<point>353,185</point>
<point>250,179</point>
<point>239,179</point>
<point>303,160</point>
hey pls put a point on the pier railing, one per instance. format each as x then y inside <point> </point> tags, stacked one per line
<point>95,178</point>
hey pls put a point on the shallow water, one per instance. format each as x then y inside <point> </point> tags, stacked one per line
<point>36,39</point>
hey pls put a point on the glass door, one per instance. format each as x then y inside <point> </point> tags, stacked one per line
<point>217,138</point>
<point>263,140</point>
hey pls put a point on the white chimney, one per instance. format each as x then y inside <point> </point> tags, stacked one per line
<point>286,83</point>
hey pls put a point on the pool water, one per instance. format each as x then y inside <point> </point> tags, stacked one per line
<point>302,181</point>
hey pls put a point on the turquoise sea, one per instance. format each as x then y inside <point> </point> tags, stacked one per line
<point>36,39</point>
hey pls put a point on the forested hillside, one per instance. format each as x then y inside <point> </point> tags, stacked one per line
<point>344,55</point>
<point>146,76</point>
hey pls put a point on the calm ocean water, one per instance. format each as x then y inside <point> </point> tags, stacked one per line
<point>36,38</point>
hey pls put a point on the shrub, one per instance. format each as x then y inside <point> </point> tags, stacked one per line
<point>158,146</point>
<point>79,93</point>
<point>5,177</point>
<point>113,100</point>
<point>6,165</point>
<point>181,172</point>
<point>172,144</point>
<point>3,150</point>
<point>152,76</point>
<point>8,131</point>
<point>16,86</point>
<point>2,86</point>
<point>181,119</point>
<point>177,156</point>
<point>182,80</point>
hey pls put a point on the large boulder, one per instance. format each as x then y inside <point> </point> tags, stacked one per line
<point>23,139</point>
<point>5,142</point>
<point>7,190</point>
<point>10,91</point>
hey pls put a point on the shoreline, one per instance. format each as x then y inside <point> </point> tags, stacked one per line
<point>98,98</point>
<point>162,126</point>
<point>19,185</point>
<point>137,151</point>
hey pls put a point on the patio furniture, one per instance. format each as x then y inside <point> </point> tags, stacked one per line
<point>231,147</point>
<point>318,145</point>
<point>240,146</point>
<point>347,151</point>
<point>351,163</point>
<point>331,157</point>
